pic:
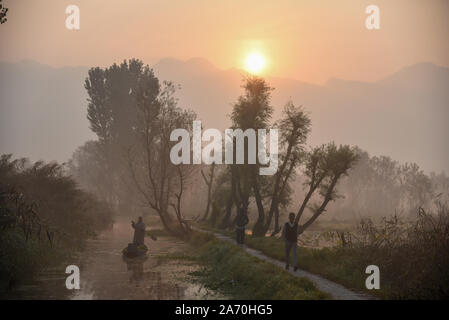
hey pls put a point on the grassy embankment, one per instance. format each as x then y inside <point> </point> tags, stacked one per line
<point>342,265</point>
<point>412,257</point>
<point>226,268</point>
<point>338,264</point>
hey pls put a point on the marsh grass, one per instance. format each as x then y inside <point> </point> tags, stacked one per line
<point>342,265</point>
<point>228,269</point>
<point>21,259</point>
<point>413,256</point>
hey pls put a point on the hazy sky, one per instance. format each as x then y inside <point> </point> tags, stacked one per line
<point>308,40</point>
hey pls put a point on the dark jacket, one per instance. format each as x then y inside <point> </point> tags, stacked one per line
<point>139,233</point>
<point>242,220</point>
<point>290,233</point>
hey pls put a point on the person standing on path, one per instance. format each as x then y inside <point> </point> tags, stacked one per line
<point>240,222</point>
<point>290,236</point>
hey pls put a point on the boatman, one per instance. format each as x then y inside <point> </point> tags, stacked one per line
<point>139,231</point>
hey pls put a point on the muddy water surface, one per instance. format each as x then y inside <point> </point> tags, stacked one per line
<point>105,274</point>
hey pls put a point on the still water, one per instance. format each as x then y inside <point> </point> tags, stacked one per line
<point>105,274</point>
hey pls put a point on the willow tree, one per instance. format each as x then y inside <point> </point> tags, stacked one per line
<point>323,166</point>
<point>113,116</point>
<point>161,182</point>
<point>253,110</point>
<point>133,117</point>
<point>294,128</point>
<point>323,169</point>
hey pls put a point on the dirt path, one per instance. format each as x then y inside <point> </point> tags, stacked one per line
<point>336,290</point>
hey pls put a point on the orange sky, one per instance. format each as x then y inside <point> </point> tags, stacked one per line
<point>307,40</point>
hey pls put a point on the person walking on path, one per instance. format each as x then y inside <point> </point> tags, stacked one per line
<point>240,222</point>
<point>290,236</point>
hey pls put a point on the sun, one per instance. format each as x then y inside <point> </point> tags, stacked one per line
<point>255,62</point>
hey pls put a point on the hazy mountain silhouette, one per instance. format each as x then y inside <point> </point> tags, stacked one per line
<point>423,76</point>
<point>43,109</point>
<point>173,68</point>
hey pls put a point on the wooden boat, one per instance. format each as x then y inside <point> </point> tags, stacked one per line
<point>133,250</point>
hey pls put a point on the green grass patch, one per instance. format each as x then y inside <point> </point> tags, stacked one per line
<point>342,265</point>
<point>226,268</point>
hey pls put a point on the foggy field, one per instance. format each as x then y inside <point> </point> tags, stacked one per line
<point>412,253</point>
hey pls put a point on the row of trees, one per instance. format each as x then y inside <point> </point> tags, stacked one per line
<point>323,166</point>
<point>129,167</point>
<point>133,116</point>
<point>371,186</point>
<point>379,186</point>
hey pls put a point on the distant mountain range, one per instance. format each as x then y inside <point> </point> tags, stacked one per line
<point>405,116</point>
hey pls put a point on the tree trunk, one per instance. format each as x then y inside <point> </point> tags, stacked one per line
<point>209,183</point>
<point>259,226</point>
<point>227,218</point>
<point>277,229</point>
<point>322,207</point>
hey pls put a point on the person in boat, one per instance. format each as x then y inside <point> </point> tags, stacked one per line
<point>139,231</point>
<point>290,234</point>
<point>240,222</point>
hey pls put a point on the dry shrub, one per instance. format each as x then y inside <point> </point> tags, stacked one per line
<point>413,256</point>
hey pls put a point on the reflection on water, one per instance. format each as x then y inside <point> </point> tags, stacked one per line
<point>106,274</point>
<point>135,265</point>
